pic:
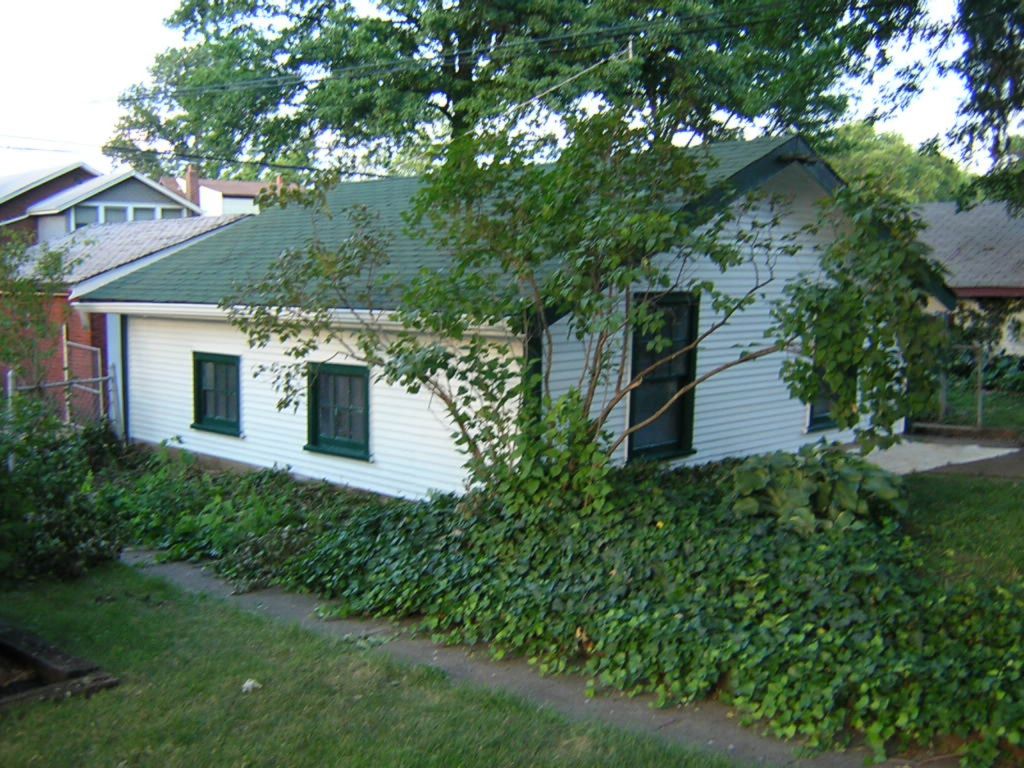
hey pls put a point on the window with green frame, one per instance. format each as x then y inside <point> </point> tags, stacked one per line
<point>339,410</point>
<point>671,434</point>
<point>819,415</point>
<point>215,389</point>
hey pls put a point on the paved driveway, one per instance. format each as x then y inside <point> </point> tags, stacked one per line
<point>948,455</point>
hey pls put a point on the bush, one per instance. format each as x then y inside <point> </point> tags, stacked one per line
<point>1002,372</point>
<point>816,489</point>
<point>675,587</point>
<point>54,520</point>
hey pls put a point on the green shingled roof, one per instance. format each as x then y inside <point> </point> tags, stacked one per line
<point>213,268</point>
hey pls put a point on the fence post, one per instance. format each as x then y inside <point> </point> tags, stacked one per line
<point>979,364</point>
<point>943,394</point>
<point>67,373</point>
<point>112,389</point>
<point>10,407</point>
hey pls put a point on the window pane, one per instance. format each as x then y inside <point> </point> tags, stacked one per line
<point>325,382</point>
<point>678,331</point>
<point>170,213</point>
<point>358,426</point>
<point>666,430</point>
<point>86,215</point>
<point>114,214</point>
<point>342,427</point>
<point>144,214</point>
<point>356,398</point>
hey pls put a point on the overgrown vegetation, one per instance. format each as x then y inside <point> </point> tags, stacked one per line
<point>674,587</point>
<point>55,519</point>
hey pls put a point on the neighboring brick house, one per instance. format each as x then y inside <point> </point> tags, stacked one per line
<point>98,255</point>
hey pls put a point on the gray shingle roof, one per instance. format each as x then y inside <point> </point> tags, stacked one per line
<point>98,249</point>
<point>18,183</point>
<point>210,270</point>
<point>982,247</point>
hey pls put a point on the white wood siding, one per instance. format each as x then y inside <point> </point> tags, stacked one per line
<point>411,449</point>
<point>748,409</point>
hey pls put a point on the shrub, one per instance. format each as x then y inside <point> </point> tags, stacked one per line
<point>54,520</point>
<point>816,489</point>
<point>821,631</point>
<point>1002,372</point>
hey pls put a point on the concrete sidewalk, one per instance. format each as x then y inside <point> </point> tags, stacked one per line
<point>935,453</point>
<point>1008,466</point>
<point>709,726</point>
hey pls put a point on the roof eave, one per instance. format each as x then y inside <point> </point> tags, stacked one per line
<point>49,177</point>
<point>989,292</point>
<point>114,181</point>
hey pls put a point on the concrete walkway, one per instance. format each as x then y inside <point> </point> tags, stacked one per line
<point>709,726</point>
<point>1009,466</point>
<point>922,455</point>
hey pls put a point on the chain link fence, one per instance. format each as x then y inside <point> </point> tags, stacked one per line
<point>979,390</point>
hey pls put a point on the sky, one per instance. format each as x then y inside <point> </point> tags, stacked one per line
<point>66,61</point>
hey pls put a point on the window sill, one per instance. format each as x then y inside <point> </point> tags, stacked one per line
<point>662,455</point>
<point>817,428</point>
<point>218,429</point>
<point>339,452</point>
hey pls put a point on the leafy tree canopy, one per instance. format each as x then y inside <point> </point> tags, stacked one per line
<point>917,175</point>
<point>268,80</point>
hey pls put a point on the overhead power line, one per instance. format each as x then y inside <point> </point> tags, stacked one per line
<point>602,35</point>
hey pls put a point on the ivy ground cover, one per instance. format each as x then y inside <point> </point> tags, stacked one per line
<point>787,586</point>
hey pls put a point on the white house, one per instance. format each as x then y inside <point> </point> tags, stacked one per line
<point>189,374</point>
<point>219,197</point>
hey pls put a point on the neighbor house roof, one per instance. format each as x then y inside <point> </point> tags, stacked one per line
<point>213,269</point>
<point>101,248</point>
<point>982,248</point>
<point>81,192</point>
<point>20,183</point>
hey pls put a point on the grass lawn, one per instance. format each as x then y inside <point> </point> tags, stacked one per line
<point>182,661</point>
<point>1000,410</point>
<point>970,526</point>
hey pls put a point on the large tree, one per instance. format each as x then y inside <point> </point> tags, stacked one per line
<point>992,70</point>
<point>274,80</point>
<point>919,175</point>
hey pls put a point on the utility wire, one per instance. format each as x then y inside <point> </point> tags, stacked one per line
<point>607,34</point>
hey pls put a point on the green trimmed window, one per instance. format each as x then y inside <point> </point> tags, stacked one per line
<point>215,388</point>
<point>819,411</point>
<point>671,434</point>
<point>339,410</point>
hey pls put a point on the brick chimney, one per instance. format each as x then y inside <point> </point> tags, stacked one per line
<point>192,183</point>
